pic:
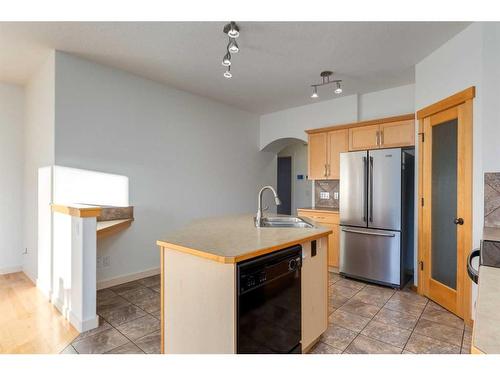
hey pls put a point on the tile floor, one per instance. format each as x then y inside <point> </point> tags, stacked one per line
<point>364,318</point>
<point>370,319</point>
<point>129,321</point>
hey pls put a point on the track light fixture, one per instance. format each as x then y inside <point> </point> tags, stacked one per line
<point>233,46</point>
<point>326,80</point>
<point>227,73</point>
<point>226,61</point>
<point>315,92</point>
<point>232,30</point>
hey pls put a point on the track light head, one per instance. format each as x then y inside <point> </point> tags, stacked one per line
<point>233,46</point>
<point>232,30</point>
<point>338,90</point>
<point>227,73</point>
<point>226,61</point>
<point>315,92</point>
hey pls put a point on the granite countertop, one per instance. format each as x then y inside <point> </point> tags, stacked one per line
<point>233,239</point>
<point>486,331</point>
<point>324,209</point>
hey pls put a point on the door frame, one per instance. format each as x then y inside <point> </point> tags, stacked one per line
<point>460,102</point>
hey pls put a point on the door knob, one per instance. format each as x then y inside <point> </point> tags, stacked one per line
<point>459,221</point>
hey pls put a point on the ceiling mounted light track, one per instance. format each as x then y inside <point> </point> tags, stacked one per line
<point>232,30</point>
<point>326,79</point>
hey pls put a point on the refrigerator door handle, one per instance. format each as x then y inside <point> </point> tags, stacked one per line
<point>369,233</point>
<point>370,198</point>
<point>365,203</point>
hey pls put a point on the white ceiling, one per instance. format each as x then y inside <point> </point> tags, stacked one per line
<point>276,64</point>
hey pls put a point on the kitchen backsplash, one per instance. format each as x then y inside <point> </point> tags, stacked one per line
<point>325,192</point>
<point>492,199</point>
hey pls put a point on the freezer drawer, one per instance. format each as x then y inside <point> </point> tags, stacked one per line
<point>371,254</point>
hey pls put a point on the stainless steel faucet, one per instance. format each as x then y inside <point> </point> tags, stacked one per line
<point>258,217</point>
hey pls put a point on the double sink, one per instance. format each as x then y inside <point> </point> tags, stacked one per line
<point>285,222</point>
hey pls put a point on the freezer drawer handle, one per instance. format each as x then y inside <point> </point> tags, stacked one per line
<point>369,233</point>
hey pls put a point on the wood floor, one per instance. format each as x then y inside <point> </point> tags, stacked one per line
<point>28,322</point>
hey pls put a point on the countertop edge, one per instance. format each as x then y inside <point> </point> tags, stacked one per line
<point>251,254</point>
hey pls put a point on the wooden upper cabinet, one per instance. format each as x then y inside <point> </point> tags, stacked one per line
<point>317,156</point>
<point>397,134</point>
<point>364,137</point>
<point>338,141</point>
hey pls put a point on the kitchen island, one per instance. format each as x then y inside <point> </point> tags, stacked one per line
<point>199,291</point>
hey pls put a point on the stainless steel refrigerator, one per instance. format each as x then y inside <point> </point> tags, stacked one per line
<point>376,215</point>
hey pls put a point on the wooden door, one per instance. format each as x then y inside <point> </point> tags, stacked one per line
<point>397,134</point>
<point>334,247</point>
<point>338,141</point>
<point>364,138</point>
<point>445,212</point>
<point>317,156</point>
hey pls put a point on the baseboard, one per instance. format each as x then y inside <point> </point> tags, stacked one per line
<point>80,326</point>
<point>7,270</point>
<point>108,283</point>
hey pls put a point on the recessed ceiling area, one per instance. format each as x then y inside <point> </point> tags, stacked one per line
<point>277,62</point>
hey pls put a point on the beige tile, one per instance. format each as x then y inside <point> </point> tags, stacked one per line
<point>396,318</point>
<point>409,297</point>
<point>349,283</point>
<point>103,326</point>
<point>336,300</point>
<point>404,307</point>
<point>122,314</point>
<point>342,290</point>
<point>360,308</point>
<point>426,345</point>
<point>322,348</point>
<point>139,327</point>
<point>439,332</point>
<point>150,282</point>
<point>366,345</point>
<point>436,313</point>
<point>156,314</point>
<point>143,297</point>
<point>333,277</point>
<point>69,350</point>
<point>347,320</point>
<point>122,288</point>
<point>104,294</point>
<point>338,337</point>
<point>465,350</point>
<point>111,302</point>
<point>129,348</point>
<point>150,343</point>
<point>389,334</point>
<point>374,295</point>
<point>101,342</point>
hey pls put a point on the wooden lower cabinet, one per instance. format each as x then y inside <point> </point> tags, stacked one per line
<point>314,294</point>
<point>329,219</point>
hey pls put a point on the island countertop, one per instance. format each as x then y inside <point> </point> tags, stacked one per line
<point>232,239</point>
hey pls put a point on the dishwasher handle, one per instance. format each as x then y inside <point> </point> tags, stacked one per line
<point>369,233</point>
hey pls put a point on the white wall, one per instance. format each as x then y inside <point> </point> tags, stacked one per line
<point>301,189</point>
<point>292,122</point>
<point>185,156</point>
<point>385,103</point>
<point>454,67</point>
<point>39,152</point>
<point>11,176</point>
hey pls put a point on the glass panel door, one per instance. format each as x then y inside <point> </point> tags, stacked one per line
<point>444,203</point>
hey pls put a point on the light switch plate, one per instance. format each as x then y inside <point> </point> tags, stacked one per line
<point>324,195</point>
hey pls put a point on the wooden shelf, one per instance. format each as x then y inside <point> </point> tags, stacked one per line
<point>107,228</point>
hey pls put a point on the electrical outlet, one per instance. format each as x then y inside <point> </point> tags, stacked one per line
<point>25,251</point>
<point>106,261</point>
<point>324,195</point>
<point>336,195</point>
<point>99,262</point>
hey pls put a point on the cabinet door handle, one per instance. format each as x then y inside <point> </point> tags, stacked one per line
<point>381,137</point>
<point>329,169</point>
<point>325,170</point>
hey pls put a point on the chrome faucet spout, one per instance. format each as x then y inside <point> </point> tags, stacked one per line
<point>258,217</point>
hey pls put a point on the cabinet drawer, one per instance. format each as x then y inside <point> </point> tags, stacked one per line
<point>320,216</point>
